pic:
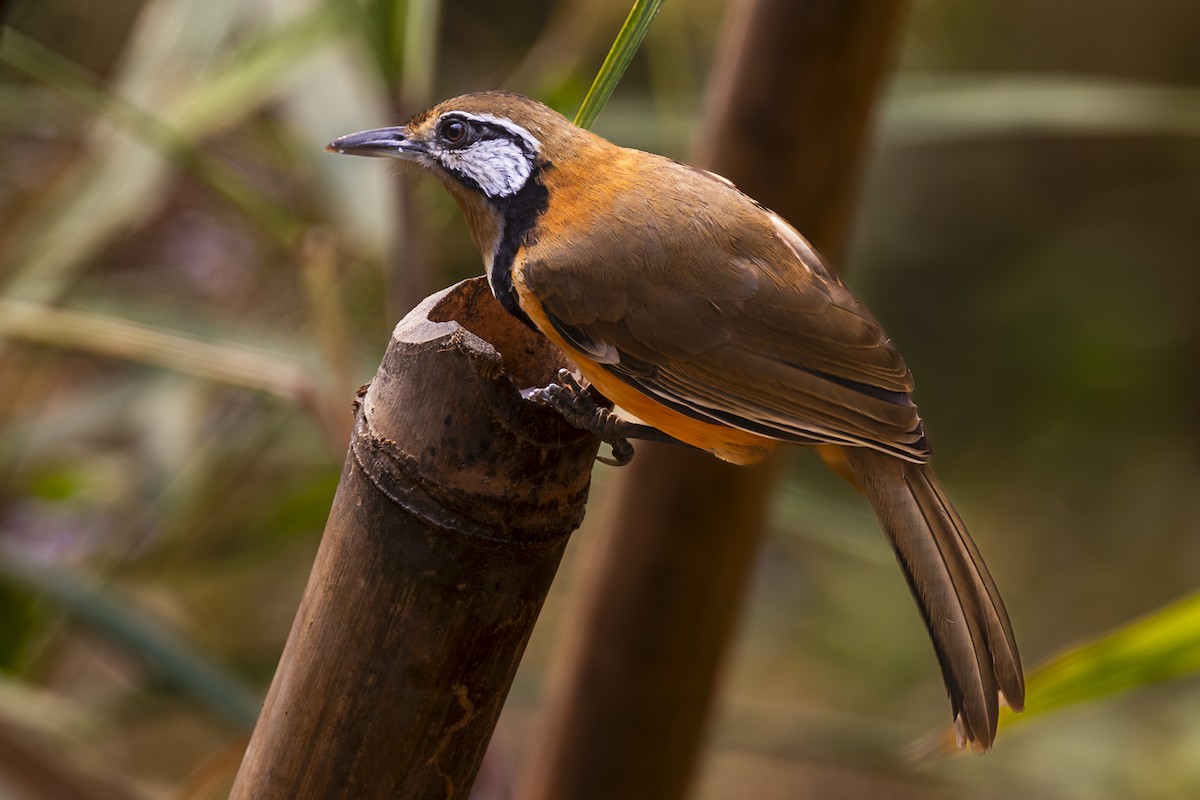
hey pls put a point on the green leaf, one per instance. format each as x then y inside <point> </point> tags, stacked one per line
<point>627,43</point>
<point>1162,646</point>
<point>1159,647</point>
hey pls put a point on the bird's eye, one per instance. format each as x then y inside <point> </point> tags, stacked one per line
<point>454,131</point>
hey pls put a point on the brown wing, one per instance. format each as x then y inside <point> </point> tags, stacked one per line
<point>724,313</point>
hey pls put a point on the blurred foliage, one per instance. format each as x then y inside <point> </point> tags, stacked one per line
<point>190,291</point>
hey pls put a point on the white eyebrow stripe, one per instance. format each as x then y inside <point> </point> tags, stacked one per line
<point>508,125</point>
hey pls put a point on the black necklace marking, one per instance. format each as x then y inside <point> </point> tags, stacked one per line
<point>520,213</point>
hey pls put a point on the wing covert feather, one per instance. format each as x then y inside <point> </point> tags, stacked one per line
<point>725,311</point>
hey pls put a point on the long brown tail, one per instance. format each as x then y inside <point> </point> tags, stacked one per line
<point>953,588</point>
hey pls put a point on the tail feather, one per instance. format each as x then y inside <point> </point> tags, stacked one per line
<point>962,609</point>
<point>1005,658</point>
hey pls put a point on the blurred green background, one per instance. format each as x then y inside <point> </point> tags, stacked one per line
<point>191,290</point>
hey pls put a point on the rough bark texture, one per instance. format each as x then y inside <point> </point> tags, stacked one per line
<point>454,507</point>
<point>633,684</point>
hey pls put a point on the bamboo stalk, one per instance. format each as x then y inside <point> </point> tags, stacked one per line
<point>454,507</point>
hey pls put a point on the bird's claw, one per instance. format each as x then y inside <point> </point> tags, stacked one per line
<point>576,405</point>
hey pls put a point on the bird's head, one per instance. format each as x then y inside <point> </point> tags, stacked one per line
<point>489,149</point>
<point>490,142</point>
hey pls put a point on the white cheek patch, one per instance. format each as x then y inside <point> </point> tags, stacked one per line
<point>499,166</point>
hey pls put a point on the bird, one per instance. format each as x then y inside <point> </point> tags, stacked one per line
<point>709,319</point>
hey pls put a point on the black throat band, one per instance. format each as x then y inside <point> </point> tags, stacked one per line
<point>519,213</point>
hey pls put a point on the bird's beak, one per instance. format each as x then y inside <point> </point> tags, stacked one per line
<point>381,142</point>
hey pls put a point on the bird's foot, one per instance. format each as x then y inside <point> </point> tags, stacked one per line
<point>578,407</point>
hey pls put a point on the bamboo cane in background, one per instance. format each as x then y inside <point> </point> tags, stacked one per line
<point>631,692</point>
